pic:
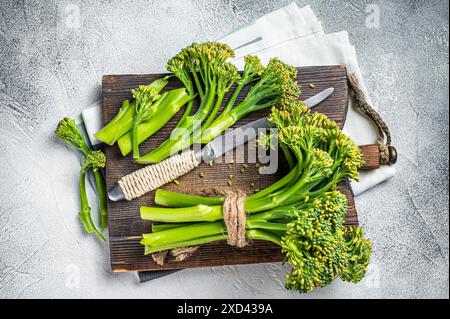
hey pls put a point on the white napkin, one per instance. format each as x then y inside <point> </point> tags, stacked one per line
<point>305,47</point>
<point>93,121</point>
<point>296,36</point>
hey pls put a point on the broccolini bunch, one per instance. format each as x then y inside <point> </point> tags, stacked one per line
<point>302,212</point>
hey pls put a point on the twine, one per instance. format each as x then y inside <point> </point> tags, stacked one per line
<point>383,130</point>
<point>160,257</point>
<point>151,177</point>
<point>182,253</point>
<point>234,217</point>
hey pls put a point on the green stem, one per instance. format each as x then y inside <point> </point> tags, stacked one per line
<point>119,125</point>
<point>101,190</point>
<point>230,117</point>
<point>263,235</point>
<point>168,107</point>
<point>161,227</point>
<point>233,97</point>
<point>123,121</point>
<point>172,199</point>
<point>194,242</point>
<point>101,193</point>
<point>274,187</point>
<point>218,126</point>
<point>262,224</point>
<point>189,125</point>
<point>197,83</point>
<point>134,138</point>
<point>183,233</point>
<point>288,156</point>
<point>170,243</point>
<point>212,115</point>
<point>267,203</point>
<point>185,214</point>
<point>85,212</point>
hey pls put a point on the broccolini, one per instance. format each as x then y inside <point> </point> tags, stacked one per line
<point>123,121</point>
<point>302,212</point>
<point>68,131</point>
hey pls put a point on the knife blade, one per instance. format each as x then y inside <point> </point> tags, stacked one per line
<point>211,151</point>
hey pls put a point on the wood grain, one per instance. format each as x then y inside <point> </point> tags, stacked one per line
<point>125,225</point>
<point>371,155</point>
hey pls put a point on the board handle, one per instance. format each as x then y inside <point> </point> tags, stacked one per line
<point>372,156</point>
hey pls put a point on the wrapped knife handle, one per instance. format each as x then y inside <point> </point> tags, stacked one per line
<point>151,177</point>
<point>372,156</point>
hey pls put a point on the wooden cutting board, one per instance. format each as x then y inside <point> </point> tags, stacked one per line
<point>125,224</point>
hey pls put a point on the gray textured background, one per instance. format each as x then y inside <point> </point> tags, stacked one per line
<point>48,70</point>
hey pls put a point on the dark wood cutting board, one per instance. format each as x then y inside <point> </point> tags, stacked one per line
<point>125,224</point>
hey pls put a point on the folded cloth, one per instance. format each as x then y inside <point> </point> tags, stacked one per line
<point>93,121</point>
<point>296,36</point>
<point>307,48</point>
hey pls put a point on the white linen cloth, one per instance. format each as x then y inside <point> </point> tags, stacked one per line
<point>295,36</point>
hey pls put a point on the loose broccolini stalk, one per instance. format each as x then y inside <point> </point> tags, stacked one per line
<point>93,160</point>
<point>312,235</point>
<point>68,131</point>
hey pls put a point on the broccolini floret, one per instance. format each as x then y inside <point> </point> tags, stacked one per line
<point>145,97</point>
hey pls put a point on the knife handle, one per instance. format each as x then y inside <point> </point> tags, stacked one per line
<point>151,177</point>
<point>372,156</point>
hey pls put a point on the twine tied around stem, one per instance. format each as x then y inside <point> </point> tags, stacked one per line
<point>388,153</point>
<point>234,218</point>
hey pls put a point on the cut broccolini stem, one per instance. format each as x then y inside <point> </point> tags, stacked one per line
<point>123,121</point>
<point>185,214</point>
<point>161,227</point>
<point>197,230</point>
<point>171,102</point>
<point>250,234</point>
<point>119,125</point>
<point>190,124</point>
<point>173,199</point>
<point>101,190</point>
<point>193,242</point>
<point>183,233</point>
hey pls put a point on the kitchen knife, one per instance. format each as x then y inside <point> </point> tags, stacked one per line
<point>154,176</point>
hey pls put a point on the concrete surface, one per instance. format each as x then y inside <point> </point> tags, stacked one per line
<point>53,54</point>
